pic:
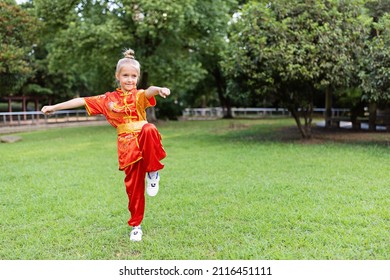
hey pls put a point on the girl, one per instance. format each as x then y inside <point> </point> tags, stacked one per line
<point>139,143</point>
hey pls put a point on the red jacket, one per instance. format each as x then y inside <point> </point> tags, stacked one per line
<point>126,112</point>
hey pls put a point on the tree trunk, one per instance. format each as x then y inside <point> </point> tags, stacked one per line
<point>372,107</point>
<point>305,130</point>
<point>328,108</point>
<point>227,108</point>
<point>223,99</point>
<point>307,114</point>
<point>151,115</point>
<point>150,112</point>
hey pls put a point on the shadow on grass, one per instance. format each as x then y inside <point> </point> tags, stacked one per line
<point>287,133</point>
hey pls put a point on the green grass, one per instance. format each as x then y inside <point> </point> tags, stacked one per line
<point>240,189</point>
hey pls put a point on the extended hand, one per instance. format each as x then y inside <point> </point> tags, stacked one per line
<point>164,92</point>
<point>47,110</point>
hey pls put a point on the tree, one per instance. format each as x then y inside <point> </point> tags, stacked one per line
<point>294,51</point>
<point>171,40</point>
<point>80,46</point>
<point>375,73</point>
<point>211,31</point>
<point>18,31</point>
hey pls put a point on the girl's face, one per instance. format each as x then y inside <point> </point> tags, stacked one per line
<point>127,77</point>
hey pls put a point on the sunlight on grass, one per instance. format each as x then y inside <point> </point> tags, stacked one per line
<point>231,189</point>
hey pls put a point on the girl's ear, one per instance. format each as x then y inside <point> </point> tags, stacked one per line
<point>116,82</point>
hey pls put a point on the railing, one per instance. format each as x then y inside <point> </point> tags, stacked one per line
<point>336,112</point>
<point>68,116</point>
<point>217,112</point>
<point>37,118</point>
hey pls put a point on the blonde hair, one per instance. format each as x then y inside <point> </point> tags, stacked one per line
<point>128,58</point>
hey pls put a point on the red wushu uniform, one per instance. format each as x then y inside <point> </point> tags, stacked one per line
<point>139,143</point>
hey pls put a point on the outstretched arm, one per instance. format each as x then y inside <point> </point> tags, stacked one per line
<point>70,104</point>
<point>162,91</point>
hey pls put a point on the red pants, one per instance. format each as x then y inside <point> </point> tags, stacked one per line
<point>149,141</point>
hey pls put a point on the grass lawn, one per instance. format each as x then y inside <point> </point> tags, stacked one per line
<point>231,189</point>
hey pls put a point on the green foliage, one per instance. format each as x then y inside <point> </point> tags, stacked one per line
<point>278,45</point>
<point>211,42</point>
<point>294,51</point>
<point>349,98</point>
<point>375,74</point>
<point>177,43</point>
<point>165,36</point>
<point>230,190</point>
<point>168,110</point>
<point>377,8</point>
<point>18,31</point>
<point>210,53</point>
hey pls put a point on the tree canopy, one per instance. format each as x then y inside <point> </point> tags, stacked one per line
<point>294,52</point>
<point>222,52</point>
<point>18,31</point>
<point>167,37</point>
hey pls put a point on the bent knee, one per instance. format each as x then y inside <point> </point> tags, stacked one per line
<point>148,128</point>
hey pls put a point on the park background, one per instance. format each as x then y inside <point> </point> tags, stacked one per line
<point>275,187</point>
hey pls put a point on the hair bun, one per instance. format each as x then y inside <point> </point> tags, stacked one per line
<point>129,53</point>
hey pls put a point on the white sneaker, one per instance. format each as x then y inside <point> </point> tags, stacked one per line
<point>152,179</point>
<point>136,234</point>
